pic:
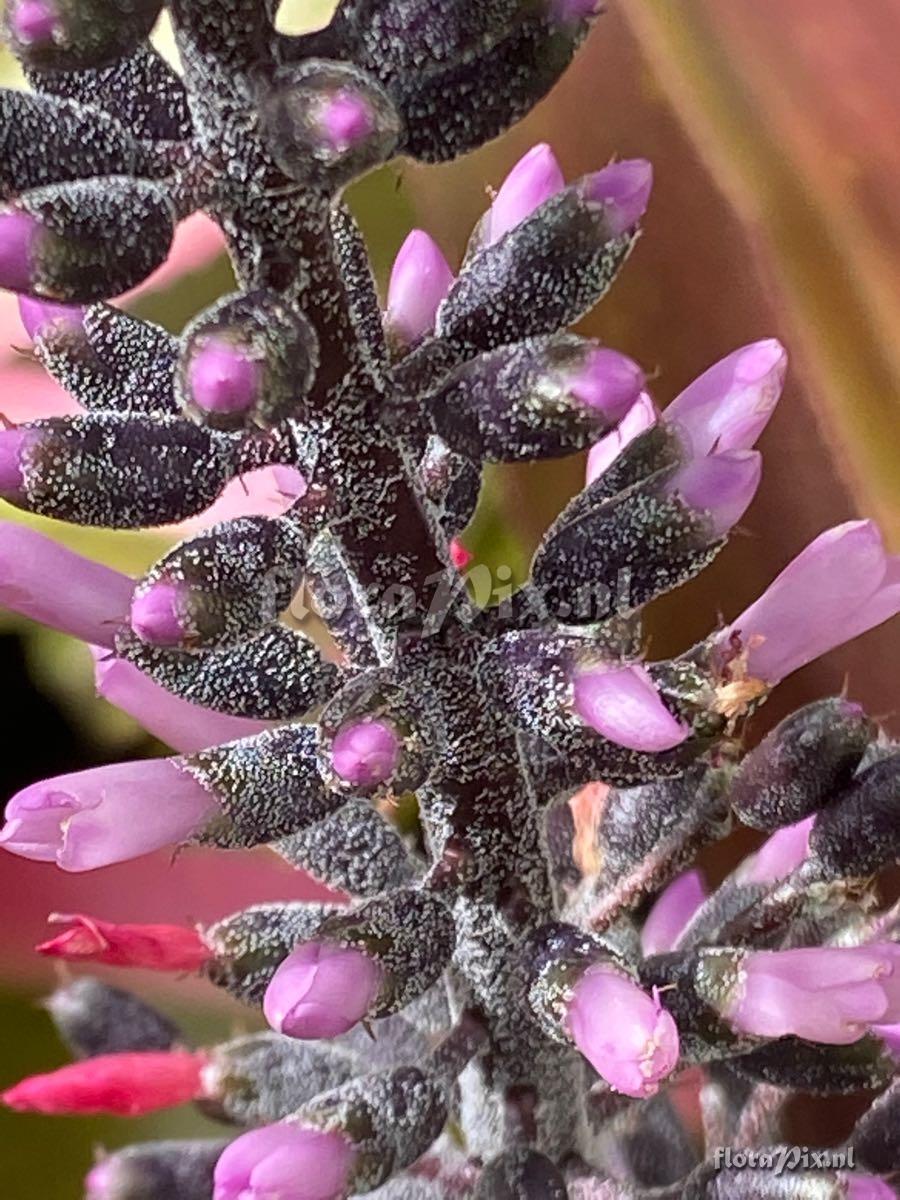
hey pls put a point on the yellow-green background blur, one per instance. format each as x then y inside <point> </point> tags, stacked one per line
<point>774,129</point>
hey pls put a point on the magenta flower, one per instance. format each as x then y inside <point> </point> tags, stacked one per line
<point>624,1033</point>
<point>778,856</point>
<point>91,605</point>
<point>842,584</point>
<point>606,381</point>
<point>642,415</point>
<point>321,990</point>
<point>33,21</point>
<point>823,994</point>
<point>223,378</point>
<point>420,279</point>
<point>622,704</point>
<point>866,1187</point>
<point>622,190</point>
<point>366,753</point>
<point>721,486</point>
<point>106,815</point>
<point>729,405</point>
<point>288,1160</point>
<point>184,726</point>
<point>672,912</point>
<point>533,180</point>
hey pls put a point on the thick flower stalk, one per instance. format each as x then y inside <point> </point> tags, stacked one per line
<point>505,993</point>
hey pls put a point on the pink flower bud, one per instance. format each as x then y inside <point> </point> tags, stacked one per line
<point>866,1187</point>
<point>622,190</point>
<point>53,585</point>
<point>344,120</point>
<point>222,377</point>
<point>605,380</point>
<point>623,1032</point>
<point>157,614</point>
<point>622,704</point>
<point>729,405</point>
<point>842,584</point>
<point>39,315</point>
<point>18,232</point>
<point>459,555</point>
<point>672,912</point>
<point>642,415</point>
<point>321,990</point>
<point>127,1085</point>
<point>154,947</point>
<point>106,815</point>
<point>778,856</point>
<point>33,21</point>
<point>823,994</point>
<point>420,279</point>
<point>288,1160</point>
<point>366,753</point>
<point>184,726</point>
<point>534,179</point>
<point>721,486</point>
<point>573,12</point>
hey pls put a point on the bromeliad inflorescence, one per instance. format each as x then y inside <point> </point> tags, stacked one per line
<point>493,1009</point>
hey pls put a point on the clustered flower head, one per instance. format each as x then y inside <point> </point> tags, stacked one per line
<point>509,994</point>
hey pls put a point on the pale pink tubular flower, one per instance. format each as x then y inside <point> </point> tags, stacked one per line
<point>287,1160</point>
<point>778,856</point>
<point>642,415</point>
<point>623,704</point>
<point>623,1032</point>
<point>823,993</point>
<point>43,580</point>
<point>841,585</point>
<point>184,726</point>
<point>672,912</point>
<point>106,815</point>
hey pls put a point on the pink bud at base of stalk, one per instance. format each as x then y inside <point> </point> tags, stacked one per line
<point>622,190</point>
<point>222,378</point>
<point>624,706</point>
<point>48,583</point>
<point>18,233</point>
<point>366,753</point>
<point>288,1160</point>
<point>778,856</point>
<point>729,405</point>
<point>156,614</point>
<point>672,912</point>
<point>533,180</point>
<point>841,585</point>
<point>721,487</point>
<point>642,415</point>
<point>39,315</point>
<point>420,279</point>
<point>823,994</point>
<point>623,1032</point>
<point>126,1085</point>
<point>321,990</point>
<point>154,947</point>
<point>106,815</point>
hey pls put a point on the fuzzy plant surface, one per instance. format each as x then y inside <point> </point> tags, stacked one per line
<point>525,992</point>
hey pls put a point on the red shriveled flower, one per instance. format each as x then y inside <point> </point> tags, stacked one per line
<point>157,947</point>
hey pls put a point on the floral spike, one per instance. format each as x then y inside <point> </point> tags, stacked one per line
<point>508,792</point>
